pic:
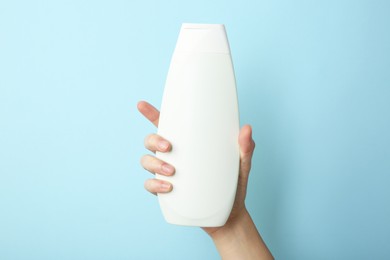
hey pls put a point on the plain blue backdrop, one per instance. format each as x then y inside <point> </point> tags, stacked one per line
<point>313,79</point>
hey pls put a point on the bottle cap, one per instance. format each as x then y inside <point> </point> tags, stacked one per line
<point>203,38</point>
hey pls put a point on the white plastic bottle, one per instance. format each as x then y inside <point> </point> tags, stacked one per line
<point>199,116</point>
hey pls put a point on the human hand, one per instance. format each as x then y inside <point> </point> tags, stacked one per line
<point>154,142</point>
<point>239,237</point>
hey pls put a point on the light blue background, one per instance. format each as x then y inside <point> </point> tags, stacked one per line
<point>313,80</point>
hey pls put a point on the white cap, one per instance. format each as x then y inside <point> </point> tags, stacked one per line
<point>206,38</point>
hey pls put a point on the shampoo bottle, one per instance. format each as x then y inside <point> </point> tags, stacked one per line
<point>199,116</point>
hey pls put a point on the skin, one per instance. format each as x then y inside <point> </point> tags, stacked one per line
<point>238,238</point>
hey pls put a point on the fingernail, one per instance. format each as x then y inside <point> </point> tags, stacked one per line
<point>165,186</point>
<point>167,168</point>
<point>163,145</point>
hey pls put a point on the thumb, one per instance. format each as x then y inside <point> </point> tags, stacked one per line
<point>247,146</point>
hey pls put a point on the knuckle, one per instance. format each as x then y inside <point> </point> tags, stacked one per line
<point>144,159</point>
<point>147,139</point>
<point>150,185</point>
<point>150,163</point>
<point>147,185</point>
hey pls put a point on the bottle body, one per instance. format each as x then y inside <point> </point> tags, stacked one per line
<point>199,116</point>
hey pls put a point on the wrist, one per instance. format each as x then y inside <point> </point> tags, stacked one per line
<point>232,226</point>
<point>239,239</point>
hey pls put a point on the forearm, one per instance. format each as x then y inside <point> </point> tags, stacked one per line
<point>240,240</point>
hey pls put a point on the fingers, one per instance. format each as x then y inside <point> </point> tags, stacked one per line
<point>154,142</point>
<point>157,186</point>
<point>149,111</point>
<point>247,146</point>
<point>154,165</point>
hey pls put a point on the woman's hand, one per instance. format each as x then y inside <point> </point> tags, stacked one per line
<point>153,143</point>
<point>239,227</point>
